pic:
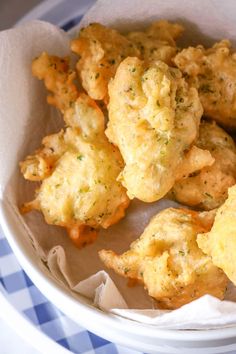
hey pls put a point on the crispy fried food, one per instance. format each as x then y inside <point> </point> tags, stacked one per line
<point>194,160</point>
<point>220,242</point>
<point>58,78</point>
<point>78,166</point>
<point>213,72</point>
<point>165,31</point>
<point>100,51</point>
<point>157,42</point>
<point>167,260</point>
<point>208,187</point>
<point>39,166</point>
<point>153,118</point>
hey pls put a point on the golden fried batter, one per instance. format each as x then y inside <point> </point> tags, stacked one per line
<point>207,188</point>
<point>166,31</point>
<point>78,166</point>
<point>220,242</point>
<point>39,166</point>
<point>194,160</point>
<point>100,49</point>
<point>213,72</point>
<point>58,78</point>
<point>167,260</point>
<point>157,42</point>
<point>153,118</point>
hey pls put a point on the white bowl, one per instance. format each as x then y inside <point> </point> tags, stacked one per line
<point>135,335</point>
<point>132,334</point>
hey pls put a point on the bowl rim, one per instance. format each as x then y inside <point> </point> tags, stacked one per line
<point>68,303</point>
<point>63,297</point>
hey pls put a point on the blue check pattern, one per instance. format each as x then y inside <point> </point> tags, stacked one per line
<point>19,290</point>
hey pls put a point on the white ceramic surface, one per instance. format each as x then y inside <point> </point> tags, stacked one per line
<point>135,335</point>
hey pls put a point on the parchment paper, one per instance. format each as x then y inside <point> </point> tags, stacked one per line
<point>25,118</point>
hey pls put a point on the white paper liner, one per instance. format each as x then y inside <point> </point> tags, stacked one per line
<point>25,118</point>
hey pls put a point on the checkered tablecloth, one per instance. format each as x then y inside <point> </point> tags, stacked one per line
<point>19,290</point>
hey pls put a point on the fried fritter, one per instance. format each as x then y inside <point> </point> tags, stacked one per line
<point>167,260</point>
<point>100,50</point>
<point>154,118</point>
<point>220,242</point>
<point>78,166</point>
<point>165,31</point>
<point>207,188</point>
<point>213,72</point>
<point>157,42</point>
<point>58,79</point>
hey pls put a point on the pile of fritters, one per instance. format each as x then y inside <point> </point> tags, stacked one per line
<point>162,139</point>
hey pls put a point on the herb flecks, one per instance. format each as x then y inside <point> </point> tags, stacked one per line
<point>206,88</point>
<point>126,270</point>
<point>111,61</point>
<point>179,99</point>
<point>208,195</point>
